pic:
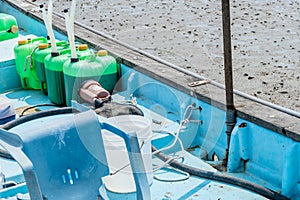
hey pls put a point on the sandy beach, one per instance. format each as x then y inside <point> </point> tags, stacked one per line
<point>265,38</point>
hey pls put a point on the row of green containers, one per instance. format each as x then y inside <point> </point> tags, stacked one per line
<point>59,76</point>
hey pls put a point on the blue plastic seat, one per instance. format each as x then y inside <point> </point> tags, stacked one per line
<point>63,157</point>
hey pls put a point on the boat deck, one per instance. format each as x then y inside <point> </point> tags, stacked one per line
<point>192,188</point>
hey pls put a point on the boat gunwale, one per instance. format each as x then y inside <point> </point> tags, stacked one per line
<point>262,115</point>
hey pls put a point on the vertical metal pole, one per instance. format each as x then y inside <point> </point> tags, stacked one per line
<point>230,109</point>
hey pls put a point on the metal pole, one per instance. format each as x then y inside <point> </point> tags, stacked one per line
<point>230,109</point>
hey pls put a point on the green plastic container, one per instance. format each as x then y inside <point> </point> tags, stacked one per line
<point>75,73</point>
<point>24,62</point>
<point>109,76</point>
<point>102,68</point>
<point>54,76</point>
<point>8,27</point>
<point>39,57</point>
<point>54,73</point>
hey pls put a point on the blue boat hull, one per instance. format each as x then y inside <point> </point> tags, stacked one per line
<point>264,145</point>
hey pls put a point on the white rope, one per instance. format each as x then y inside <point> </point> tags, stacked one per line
<point>185,121</point>
<point>182,123</point>
<point>181,155</point>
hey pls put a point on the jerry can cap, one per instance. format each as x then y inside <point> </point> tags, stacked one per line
<point>83,47</point>
<point>43,46</point>
<point>21,42</point>
<point>14,29</point>
<point>102,53</point>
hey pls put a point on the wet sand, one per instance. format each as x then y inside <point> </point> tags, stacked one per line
<point>265,38</point>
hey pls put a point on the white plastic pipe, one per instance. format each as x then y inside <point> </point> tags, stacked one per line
<point>72,19</point>
<point>45,20</point>
<point>50,9</point>
<point>48,23</point>
<point>67,26</point>
<point>51,34</point>
<point>70,33</point>
<point>72,12</point>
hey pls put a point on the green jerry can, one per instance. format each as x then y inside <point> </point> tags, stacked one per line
<point>39,57</point>
<point>8,27</point>
<point>98,68</point>
<point>54,73</point>
<point>24,62</point>
<point>54,76</point>
<point>109,77</point>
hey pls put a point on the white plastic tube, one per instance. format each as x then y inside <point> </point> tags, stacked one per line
<point>70,32</point>
<point>51,34</point>
<point>72,11</point>
<point>45,20</point>
<point>48,23</point>
<point>50,9</point>
<point>69,19</point>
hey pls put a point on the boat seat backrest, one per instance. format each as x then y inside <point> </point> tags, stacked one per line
<point>68,155</point>
<point>63,156</point>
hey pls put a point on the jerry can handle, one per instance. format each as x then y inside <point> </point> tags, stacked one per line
<point>42,39</point>
<point>61,43</point>
<point>64,51</point>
